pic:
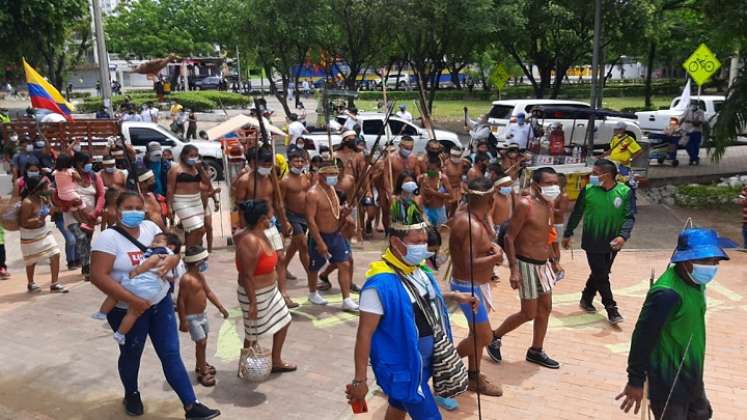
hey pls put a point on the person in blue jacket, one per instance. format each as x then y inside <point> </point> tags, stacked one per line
<point>394,332</point>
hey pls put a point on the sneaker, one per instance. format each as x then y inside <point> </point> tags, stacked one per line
<point>494,350</point>
<point>614,316</point>
<point>448,404</point>
<point>484,386</point>
<point>317,299</point>
<point>99,316</point>
<point>201,412</point>
<point>587,306</point>
<point>324,284</point>
<point>133,404</point>
<point>355,289</point>
<point>541,358</point>
<point>119,338</point>
<point>348,304</point>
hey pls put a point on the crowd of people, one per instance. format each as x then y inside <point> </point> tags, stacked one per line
<point>463,212</point>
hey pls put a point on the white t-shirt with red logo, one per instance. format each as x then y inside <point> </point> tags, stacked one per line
<point>127,255</point>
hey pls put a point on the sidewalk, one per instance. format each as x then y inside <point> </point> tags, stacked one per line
<point>733,162</point>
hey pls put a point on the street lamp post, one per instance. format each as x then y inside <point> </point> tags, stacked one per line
<point>594,78</point>
<point>106,84</point>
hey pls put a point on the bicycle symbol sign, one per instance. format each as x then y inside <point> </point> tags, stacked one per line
<point>702,64</point>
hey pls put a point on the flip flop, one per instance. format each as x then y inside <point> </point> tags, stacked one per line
<point>285,367</point>
<point>210,368</point>
<point>206,379</point>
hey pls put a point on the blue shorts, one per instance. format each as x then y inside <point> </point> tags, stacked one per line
<point>426,409</point>
<point>436,216</point>
<point>482,311</point>
<point>339,250</point>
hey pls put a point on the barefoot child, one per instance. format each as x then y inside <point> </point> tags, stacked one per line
<point>194,293</point>
<point>144,281</point>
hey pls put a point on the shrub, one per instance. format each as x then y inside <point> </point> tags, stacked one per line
<point>701,196</point>
<point>228,99</point>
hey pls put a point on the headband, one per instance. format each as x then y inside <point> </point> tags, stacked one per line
<point>145,176</point>
<point>402,227</point>
<point>503,181</point>
<point>456,152</point>
<point>407,140</point>
<point>197,257</point>
<point>331,169</point>
<point>109,162</point>
<point>480,193</point>
<point>118,153</point>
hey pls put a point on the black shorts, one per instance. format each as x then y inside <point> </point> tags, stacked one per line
<point>298,222</point>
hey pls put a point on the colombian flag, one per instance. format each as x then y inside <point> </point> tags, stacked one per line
<point>44,95</point>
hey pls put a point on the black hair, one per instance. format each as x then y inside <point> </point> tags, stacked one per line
<point>124,195</point>
<point>401,179</point>
<point>316,160</point>
<point>192,250</point>
<point>607,167</point>
<point>481,156</point>
<point>480,184</point>
<point>406,138</point>
<point>64,161</point>
<point>32,185</point>
<point>264,155</point>
<point>434,236</point>
<point>339,164</point>
<point>253,210</point>
<point>172,239</point>
<point>294,153</point>
<point>293,117</point>
<point>353,110</point>
<point>81,158</point>
<point>434,160</point>
<point>110,196</point>
<point>186,151</point>
<point>538,174</point>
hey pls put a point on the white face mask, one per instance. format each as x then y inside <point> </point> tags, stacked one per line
<point>550,192</point>
<point>456,159</point>
<point>409,186</point>
<point>264,171</point>
<point>297,171</point>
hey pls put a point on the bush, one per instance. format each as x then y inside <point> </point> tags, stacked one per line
<point>196,101</point>
<point>228,99</point>
<point>702,196</point>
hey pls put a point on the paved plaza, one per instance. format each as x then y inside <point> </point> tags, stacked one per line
<point>58,363</point>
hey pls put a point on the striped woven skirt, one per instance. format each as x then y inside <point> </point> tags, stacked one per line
<point>272,313</point>
<point>189,209</point>
<point>37,244</point>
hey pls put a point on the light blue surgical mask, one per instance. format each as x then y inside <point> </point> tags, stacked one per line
<point>506,190</point>
<point>33,174</point>
<point>202,267</point>
<point>331,180</point>
<point>409,186</point>
<point>88,168</point>
<point>193,161</point>
<point>132,218</point>
<point>264,171</point>
<point>703,274</point>
<point>405,152</point>
<point>594,180</point>
<point>296,171</point>
<point>110,170</point>
<point>416,253</point>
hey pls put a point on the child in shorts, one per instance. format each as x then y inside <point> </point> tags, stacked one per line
<point>194,293</point>
<point>144,282</point>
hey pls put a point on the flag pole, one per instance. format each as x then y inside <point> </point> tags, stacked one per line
<point>103,56</point>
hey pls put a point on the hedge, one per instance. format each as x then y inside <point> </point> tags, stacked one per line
<point>196,101</point>
<point>702,196</point>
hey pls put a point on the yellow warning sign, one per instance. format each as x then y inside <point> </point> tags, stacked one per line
<point>702,64</point>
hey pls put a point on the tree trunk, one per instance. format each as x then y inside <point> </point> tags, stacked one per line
<point>649,72</point>
<point>434,87</point>
<point>282,96</point>
<point>544,83</point>
<point>560,73</point>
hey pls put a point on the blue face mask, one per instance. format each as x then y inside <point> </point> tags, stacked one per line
<point>202,267</point>
<point>506,190</point>
<point>132,218</point>
<point>416,253</point>
<point>703,274</point>
<point>33,174</point>
<point>405,152</point>
<point>193,161</point>
<point>110,170</point>
<point>331,180</point>
<point>594,180</point>
<point>88,168</point>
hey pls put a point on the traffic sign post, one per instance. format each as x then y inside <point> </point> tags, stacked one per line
<point>499,77</point>
<point>701,65</point>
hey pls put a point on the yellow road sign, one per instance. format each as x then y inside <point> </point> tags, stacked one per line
<point>500,76</point>
<point>702,64</point>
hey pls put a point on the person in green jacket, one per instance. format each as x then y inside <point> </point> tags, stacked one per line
<point>668,344</point>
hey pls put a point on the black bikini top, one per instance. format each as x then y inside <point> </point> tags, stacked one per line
<point>185,177</point>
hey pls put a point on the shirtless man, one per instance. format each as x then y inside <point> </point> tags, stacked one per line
<point>433,149</point>
<point>528,249</point>
<point>511,161</point>
<point>353,161</point>
<point>454,168</point>
<point>393,165</point>
<point>478,169</point>
<point>295,185</point>
<point>471,226</point>
<point>504,200</point>
<point>111,176</point>
<point>436,192</point>
<point>243,189</point>
<point>324,215</point>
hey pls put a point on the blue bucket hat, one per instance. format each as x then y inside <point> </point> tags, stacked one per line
<point>698,244</point>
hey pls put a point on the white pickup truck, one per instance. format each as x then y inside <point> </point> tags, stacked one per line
<point>139,134</point>
<point>372,124</point>
<point>657,121</point>
<point>504,113</point>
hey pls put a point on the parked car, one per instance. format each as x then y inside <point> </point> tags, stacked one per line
<point>657,121</point>
<point>209,82</point>
<point>503,113</point>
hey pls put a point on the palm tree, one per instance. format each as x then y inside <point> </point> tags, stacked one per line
<point>732,119</point>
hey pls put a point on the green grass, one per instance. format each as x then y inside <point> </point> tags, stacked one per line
<point>454,110</point>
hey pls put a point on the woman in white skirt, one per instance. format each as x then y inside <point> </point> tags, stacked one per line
<point>37,242</point>
<point>184,195</point>
<point>265,312</point>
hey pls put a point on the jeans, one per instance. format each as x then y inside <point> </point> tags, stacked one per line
<point>599,279</point>
<point>426,409</point>
<point>698,408</point>
<point>744,235</point>
<point>2,256</point>
<point>158,322</point>
<point>71,250</point>
<point>693,145</point>
<point>82,244</point>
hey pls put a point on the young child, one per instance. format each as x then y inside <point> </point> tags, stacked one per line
<point>144,282</point>
<point>194,293</point>
<point>175,245</point>
<point>65,178</point>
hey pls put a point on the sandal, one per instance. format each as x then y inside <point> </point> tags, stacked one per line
<point>290,303</point>
<point>290,276</point>
<point>210,368</point>
<point>206,379</point>
<point>285,367</point>
<point>57,288</point>
<point>32,288</point>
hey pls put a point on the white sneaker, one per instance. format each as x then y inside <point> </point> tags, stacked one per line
<point>99,315</point>
<point>119,338</point>
<point>348,304</point>
<point>317,299</point>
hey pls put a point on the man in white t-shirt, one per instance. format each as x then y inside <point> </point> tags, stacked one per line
<point>404,114</point>
<point>145,115</point>
<point>352,119</point>
<point>296,128</point>
<point>520,133</point>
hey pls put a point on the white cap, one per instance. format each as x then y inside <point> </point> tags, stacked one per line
<point>620,125</point>
<point>349,133</point>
